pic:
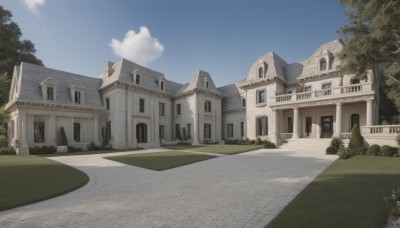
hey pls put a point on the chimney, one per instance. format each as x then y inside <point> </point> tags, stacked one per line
<point>108,70</point>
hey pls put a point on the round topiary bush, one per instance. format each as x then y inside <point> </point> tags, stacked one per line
<point>331,150</point>
<point>374,150</point>
<point>386,151</point>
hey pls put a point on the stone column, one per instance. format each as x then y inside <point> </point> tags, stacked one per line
<point>295,123</point>
<point>52,130</point>
<point>275,132</point>
<point>129,116</point>
<point>22,147</point>
<point>338,119</point>
<point>195,122</point>
<point>156,105</point>
<point>370,113</point>
<point>96,129</point>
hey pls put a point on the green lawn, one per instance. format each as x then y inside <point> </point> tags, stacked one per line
<point>160,160</point>
<point>28,179</point>
<point>349,193</point>
<point>87,152</point>
<point>218,149</point>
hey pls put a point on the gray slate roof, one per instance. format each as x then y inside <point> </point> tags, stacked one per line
<point>232,97</point>
<point>32,76</point>
<point>198,83</point>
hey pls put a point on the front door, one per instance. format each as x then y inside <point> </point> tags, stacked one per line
<point>326,126</point>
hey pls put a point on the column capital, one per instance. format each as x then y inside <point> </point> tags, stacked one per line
<point>339,104</point>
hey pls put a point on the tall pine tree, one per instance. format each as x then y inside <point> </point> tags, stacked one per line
<point>13,51</point>
<point>372,39</point>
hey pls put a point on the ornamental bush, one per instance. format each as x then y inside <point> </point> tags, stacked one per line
<point>356,141</point>
<point>387,151</point>
<point>331,150</point>
<point>374,150</point>
<point>336,142</point>
<point>344,153</point>
<point>62,138</point>
<point>269,145</point>
<point>259,141</point>
<point>7,151</point>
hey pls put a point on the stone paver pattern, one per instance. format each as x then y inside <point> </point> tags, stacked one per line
<point>243,190</point>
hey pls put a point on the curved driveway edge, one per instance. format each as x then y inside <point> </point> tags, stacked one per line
<point>243,190</point>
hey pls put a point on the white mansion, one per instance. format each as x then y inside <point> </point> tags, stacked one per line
<point>277,101</point>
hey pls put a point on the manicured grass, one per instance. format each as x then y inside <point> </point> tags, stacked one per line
<point>349,193</point>
<point>88,152</point>
<point>218,149</point>
<point>28,179</point>
<point>160,160</point>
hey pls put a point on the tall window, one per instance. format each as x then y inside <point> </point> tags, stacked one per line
<point>178,131</point>
<point>355,119</point>
<point>141,133</point>
<point>206,84</point>
<point>308,125</point>
<point>262,126</point>
<point>38,131</point>
<point>242,129</point>
<point>161,109</point>
<point>207,106</point>
<point>188,130</point>
<point>243,102</point>
<point>260,72</point>
<point>207,131</point>
<point>178,109</point>
<point>50,93</point>
<point>326,86</point>
<point>77,97</point>
<point>290,125</point>
<point>107,103</point>
<point>77,132</point>
<point>137,79</point>
<point>141,105</point>
<point>322,64</point>
<point>229,130</point>
<point>260,96</point>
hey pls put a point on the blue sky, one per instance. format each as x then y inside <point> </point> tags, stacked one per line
<point>221,37</point>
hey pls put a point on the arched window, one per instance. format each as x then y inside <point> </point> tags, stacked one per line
<point>322,64</point>
<point>354,119</point>
<point>141,133</point>
<point>260,72</point>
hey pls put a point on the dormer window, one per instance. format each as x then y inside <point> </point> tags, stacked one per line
<point>77,93</point>
<point>260,72</point>
<point>50,93</point>
<point>137,79</point>
<point>206,83</point>
<point>322,64</point>
<point>243,102</point>
<point>162,85</point>
<point>77,97</point>
<point>49,89</point>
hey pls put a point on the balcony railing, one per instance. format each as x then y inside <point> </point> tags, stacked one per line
<point>338,91</point>
<point>345,135</point>
<point>286,135</point>
<point>381,129</point>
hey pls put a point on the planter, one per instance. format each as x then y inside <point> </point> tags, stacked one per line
<point>62,149</point>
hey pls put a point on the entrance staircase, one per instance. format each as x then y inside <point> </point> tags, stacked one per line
<point>307,145</point>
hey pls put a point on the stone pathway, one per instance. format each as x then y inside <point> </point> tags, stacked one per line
<point>244,190</point>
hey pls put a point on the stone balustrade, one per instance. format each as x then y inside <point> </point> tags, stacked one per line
<point>318,94</point>
<point>381,129</point>
<point>286,135</point>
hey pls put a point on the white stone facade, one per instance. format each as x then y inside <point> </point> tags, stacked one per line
<point>277,101</point>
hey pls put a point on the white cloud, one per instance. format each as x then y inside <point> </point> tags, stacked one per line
<point>32,5</point>
<point>139,47</point>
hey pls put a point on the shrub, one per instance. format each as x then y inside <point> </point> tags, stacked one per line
<point>62,138</point>
<point>7,151</point>
<point>374,150</point>
<point>398,139</point>
<point>336,142</point>
<point>258,141</point>
<point>331,150</point>
<point>74,149</point>
<point>92,146</point>
<point>251,142</point>
<point>3,141</point>
<point>392,200</point>
<point>106,134</point>
<point>42,150</point>
<point>233,142</point>
<point>344,153</point>
<point>387,151</point>
<point>268,144</point>
<point>356,141</point>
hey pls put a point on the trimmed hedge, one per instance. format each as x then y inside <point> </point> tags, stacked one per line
<point>331,150</point>
<point>42,150</point>
<point>7,151</point>
<point>387,151</point>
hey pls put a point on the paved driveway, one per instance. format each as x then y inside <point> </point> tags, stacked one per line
<point>244,190</point>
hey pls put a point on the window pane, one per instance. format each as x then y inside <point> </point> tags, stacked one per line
<point>38,131</point>
<point>77,132</point>
<point>50,93</point>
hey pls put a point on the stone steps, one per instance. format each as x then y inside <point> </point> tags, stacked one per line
<point>307,145</point>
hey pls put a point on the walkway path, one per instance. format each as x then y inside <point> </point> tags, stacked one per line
<point>244,190</point>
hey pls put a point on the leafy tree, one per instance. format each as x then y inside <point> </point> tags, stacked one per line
<point>372,39</point>
<point>13,50</point>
